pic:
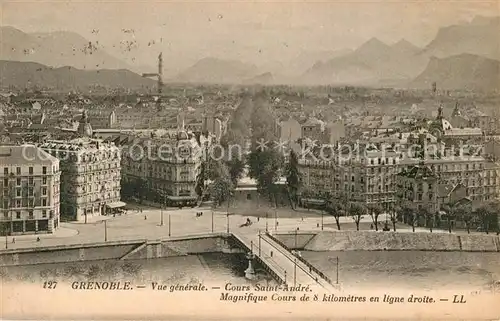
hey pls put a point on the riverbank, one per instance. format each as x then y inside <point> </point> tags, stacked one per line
<point>388,241</point>
<point>119,250</point>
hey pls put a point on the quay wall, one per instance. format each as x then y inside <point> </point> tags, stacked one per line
<point>391,241</point>
<point>119,250</point>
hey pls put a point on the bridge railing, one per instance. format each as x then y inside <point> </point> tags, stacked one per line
<point>301,259</point>
<point>272,264</point>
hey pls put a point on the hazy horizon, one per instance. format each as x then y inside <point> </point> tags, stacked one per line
<point>260,33</point>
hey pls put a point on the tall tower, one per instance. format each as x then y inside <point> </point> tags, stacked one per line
<point>159,76</point>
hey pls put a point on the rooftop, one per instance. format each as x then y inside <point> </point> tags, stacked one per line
<point>25,155</point>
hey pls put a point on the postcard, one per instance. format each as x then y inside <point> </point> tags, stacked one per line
<point>303,160</point>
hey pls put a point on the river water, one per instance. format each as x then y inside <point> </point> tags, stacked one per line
<point>357,269</point>
<point>423,270</point>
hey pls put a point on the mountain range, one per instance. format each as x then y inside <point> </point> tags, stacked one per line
<point>30,74</point>
<point>474,44</point>
<point>465,71</point>
<point>214,70</point>
<point>372,61</point>
<point>56,49</point>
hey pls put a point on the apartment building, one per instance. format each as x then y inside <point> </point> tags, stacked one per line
<point>90,177</point>
<point>30,190</point>
<point>365,174</point>
<point>163,169</point>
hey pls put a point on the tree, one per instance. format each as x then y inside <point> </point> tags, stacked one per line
<point>141,189</point>
<point>265,166</point>
<point>464,214</point>
<point>410,216</point>
<point>487,215</point>
<point>220,190</point>
<point>221,186</point>
<point>334,208</point>
<point>451,209</point>
<point>374,210</point>
<point>393,214</point>
<point>236,168</point>
<point>356,212</point>
<point>428,216</point>
<point>293,177</point>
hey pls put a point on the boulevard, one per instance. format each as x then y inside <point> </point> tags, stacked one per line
<point>147,225</point>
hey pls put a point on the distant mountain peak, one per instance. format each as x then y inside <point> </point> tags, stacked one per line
<point>373,45</point>
<point>405,45</point>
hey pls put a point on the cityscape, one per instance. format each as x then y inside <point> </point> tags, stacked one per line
<point>354,168</point>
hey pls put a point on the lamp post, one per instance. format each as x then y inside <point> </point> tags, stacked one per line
<point>161,207</point>
<point>105,231</point>
<point>337,270</point>
<point>267,227</point>
<point>294,272</point>
<point>212,220</point>
<point>227,215</point>
<point>322,219</point>
<point>275,218</point>
<point>296,230</point>
<point>260,236</point>
<point>169,226</point>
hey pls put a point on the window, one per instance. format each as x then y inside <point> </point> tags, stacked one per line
<point>44,213</point>
<point>18,203</point>
<point>44,170</point>
<point>44,180</point>
<point>18,192</point>
<point>18,182</point>
<point>44,190</point>
<point>31,203</point>
<point>18,215</point>
<point>5,182</point>
<point>44,202</point>
<point>30,214</point>
<point>6,171</point>
<point>30,170</point>
<point>5,204</point>
<point>30,180</point>
<point>30,191</point>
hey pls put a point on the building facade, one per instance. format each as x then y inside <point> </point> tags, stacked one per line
<point>30,190</point>
<point>163,169</point>
<point>90,176</point>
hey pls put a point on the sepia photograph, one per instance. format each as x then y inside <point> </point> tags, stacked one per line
<point>250,160</point>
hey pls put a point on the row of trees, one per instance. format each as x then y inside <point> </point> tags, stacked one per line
<point>484,216</point>
<point>265,161</point>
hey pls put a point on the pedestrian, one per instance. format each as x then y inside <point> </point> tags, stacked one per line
<point>371,227</point>
<point>13,240</point>
<point>38,238</point>
<point>145,217</point>
<point>258,218</point>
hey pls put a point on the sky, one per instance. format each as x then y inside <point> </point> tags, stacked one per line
<point>258,32</point>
